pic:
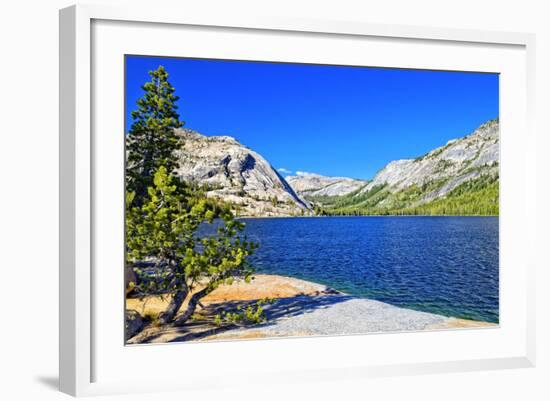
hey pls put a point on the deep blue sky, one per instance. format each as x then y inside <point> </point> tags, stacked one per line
<point>331,120</point>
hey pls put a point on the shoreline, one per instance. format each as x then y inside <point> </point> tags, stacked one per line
<point>301,308</point>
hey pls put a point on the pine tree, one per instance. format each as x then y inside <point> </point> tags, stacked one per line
<point>152,141</point>
<point>163,215</point>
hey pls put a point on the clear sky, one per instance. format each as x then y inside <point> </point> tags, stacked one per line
<point>331,120</point>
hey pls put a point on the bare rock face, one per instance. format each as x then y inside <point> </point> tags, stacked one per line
<point>460,160</point>
<point>309,184</point>
<point>237,174</point>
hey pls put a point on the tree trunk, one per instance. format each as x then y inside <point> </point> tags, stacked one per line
<point>174,306</point>
<point>191,307</point>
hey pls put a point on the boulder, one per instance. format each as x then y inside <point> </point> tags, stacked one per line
<point>134,323</point>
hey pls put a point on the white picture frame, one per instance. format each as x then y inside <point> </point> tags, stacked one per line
<point>80,344</point>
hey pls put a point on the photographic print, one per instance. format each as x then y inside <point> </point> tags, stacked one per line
<point>272,199</point>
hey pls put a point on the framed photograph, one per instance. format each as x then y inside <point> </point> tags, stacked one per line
<point>355,198</point>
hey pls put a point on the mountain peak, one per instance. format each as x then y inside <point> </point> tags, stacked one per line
<point>190,134</point>
<point>237,174</point>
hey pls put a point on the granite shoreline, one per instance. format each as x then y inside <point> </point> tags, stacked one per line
<point>300,308</point>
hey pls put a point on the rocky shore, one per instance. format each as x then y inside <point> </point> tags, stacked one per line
<point>300,308</point>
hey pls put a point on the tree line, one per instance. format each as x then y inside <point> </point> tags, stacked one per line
<point>479,196</point>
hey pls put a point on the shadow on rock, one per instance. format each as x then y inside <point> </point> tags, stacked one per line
<point>282,308</point>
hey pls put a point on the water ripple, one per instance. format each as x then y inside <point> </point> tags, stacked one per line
<point>445,265</point>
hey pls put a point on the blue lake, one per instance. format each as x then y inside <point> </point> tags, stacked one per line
<point>445,265</point>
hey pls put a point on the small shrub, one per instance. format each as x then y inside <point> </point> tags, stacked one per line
<point>251,315</point>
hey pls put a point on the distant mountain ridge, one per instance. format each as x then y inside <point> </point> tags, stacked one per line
<point>460,177</point>
<point>310,184</point>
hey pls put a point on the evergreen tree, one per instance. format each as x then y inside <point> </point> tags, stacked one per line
<point>152,141</point>
<point>163,216</point>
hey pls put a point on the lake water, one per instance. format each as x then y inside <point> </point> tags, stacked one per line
<point>445,265</point>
